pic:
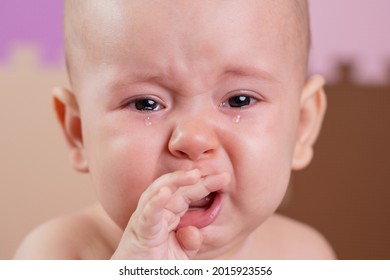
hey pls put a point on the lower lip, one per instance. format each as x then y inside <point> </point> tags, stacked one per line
<point>201,218</point>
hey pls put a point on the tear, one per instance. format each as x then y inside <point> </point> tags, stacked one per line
<point>148,122</point>
<point>237,119</point>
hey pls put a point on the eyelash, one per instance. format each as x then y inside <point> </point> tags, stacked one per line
<point>239,101</point>
<point>143,104</point>
<point>148,104</point>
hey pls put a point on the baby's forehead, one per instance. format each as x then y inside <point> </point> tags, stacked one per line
<point>93,13</point>
<point>90,23</point>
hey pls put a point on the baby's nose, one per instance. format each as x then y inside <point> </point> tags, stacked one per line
<point>193,139</point>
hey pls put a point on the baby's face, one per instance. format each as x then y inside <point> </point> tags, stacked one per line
<point>176,85</point>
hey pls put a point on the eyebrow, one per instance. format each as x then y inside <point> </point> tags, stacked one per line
<point>250,71</point>
<point>138,77</point>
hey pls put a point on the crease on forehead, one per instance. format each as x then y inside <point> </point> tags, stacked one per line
<point>76,20</point>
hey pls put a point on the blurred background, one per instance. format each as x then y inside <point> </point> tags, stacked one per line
<point>344,193</point>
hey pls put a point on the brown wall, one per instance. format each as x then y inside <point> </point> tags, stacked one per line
<point>344,193</point>
<point>36,181</point>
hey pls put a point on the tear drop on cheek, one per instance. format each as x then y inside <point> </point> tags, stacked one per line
<point>148,122</point>
<point>237,119</point>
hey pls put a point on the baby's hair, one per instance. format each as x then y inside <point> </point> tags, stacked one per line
<point>303,17</point>
<point>70,14</point>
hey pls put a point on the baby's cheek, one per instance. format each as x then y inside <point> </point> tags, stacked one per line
<point>119,161</point>
<point>263,169</point>
<point>119,181</point>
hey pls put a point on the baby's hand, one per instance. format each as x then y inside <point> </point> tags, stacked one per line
<point>152,230</point>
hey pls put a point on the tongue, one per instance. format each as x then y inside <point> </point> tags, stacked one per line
<point>204,202</point>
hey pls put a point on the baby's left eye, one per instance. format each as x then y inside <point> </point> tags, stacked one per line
<point>144,104</point>
<point>239,101</point>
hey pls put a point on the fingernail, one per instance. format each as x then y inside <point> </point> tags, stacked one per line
<point>190,172</point>
<point>194,171</point>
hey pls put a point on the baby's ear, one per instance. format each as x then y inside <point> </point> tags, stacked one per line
<point>312,111</point>
<point>68,114</point>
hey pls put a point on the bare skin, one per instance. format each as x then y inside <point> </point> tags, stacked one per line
<point>100,239</point>
<point>155,126</point>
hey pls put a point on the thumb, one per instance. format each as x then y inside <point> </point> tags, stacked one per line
<point>190,239</point>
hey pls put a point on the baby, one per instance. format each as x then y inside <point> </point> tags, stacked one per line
<point>189,117</point>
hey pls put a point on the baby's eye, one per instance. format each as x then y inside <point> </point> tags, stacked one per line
<point>239,101</point>
<point>145,105</point>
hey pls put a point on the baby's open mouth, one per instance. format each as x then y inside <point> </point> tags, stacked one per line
<point>203,212</point>
<point>203,203</point>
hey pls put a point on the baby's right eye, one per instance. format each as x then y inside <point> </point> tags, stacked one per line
<point>240,100</point>
<point>145,105</point>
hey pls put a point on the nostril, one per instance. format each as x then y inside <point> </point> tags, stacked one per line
<point>182,154</point>
<point>210,151</point>
<point>193,154</point>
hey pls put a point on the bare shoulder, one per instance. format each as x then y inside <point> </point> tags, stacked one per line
<point>292,239</point>
<point>77,236</point>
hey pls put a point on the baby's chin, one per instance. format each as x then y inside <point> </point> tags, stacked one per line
<point>227,239</point>
<point>217,244</point>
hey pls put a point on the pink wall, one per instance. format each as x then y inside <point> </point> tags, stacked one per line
<point>352,30</point>
<point>35,22</point>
